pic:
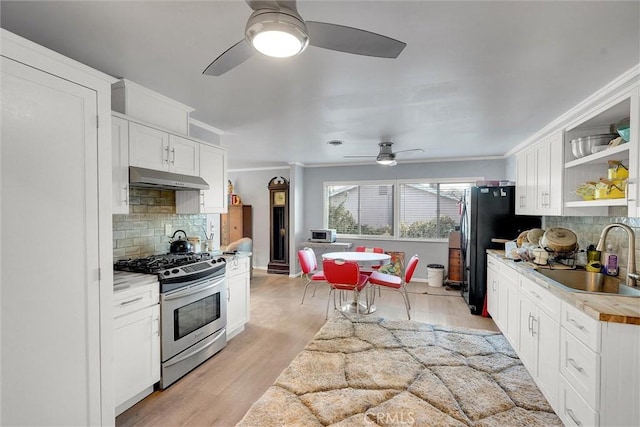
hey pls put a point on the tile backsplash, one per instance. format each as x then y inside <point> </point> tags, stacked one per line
<point>588,231</point>
<point>142,232</point>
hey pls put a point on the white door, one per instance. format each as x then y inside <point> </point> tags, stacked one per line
<point>148,147</point>
<point>50,305</point>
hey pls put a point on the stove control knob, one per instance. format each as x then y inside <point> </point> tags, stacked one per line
<point>166,273</point>
<point>175,271</point>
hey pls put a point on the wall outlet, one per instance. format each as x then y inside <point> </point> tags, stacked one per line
<point>167,229</point>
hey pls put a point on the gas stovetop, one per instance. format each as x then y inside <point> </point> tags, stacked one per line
<point>176,268</point>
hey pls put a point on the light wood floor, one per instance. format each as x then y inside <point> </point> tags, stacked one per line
<point>221,390</point>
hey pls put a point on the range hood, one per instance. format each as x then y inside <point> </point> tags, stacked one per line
<point>151,178</point>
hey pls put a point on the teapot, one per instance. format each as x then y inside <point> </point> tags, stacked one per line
<point>180,245</point>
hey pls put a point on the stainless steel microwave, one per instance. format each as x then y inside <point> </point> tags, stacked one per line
<point>323,236</point>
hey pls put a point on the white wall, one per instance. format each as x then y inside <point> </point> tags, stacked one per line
<point>252,187</point>
<point>429,252</point>
<point>308,198</point>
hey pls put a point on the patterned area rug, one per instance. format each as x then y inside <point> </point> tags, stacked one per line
<point>367,371</point>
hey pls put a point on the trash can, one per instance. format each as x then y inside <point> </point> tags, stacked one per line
<point>435,275</point>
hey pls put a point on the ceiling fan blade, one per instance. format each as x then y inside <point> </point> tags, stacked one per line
<point>263,4</point>
<point>231,58</point>
<point>356,156</point>
<point>412,149</point>
<point>352,40</point>
<point>272,4</point>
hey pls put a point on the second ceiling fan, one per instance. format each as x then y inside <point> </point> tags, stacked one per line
<point>386,156</point>
<point>276,29</point>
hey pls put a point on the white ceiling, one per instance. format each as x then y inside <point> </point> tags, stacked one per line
<point>476,78</point>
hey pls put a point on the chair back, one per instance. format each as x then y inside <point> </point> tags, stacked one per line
<point>411,267</point>
<point>367,249</point>
<point>308,261</point>
<point>341,272</point>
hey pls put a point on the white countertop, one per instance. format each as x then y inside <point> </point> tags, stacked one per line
<point>125,280</point>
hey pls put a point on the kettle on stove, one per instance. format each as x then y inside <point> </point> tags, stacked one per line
<point>180,245</point>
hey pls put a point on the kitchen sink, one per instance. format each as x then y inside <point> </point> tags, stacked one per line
<point>585,281</point>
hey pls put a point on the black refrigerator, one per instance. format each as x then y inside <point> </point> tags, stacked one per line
<point>491,215</point>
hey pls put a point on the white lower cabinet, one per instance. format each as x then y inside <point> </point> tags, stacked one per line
<point>238,294</point>
<point>587,369</point>
<point>136,344</point>
<point>540,337</point>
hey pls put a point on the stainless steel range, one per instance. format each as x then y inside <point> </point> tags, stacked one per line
<point>193,308</point>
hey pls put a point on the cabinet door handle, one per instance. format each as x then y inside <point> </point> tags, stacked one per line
<point>576,324</point>
<point>533,330</point>
<point>173,154</point>
<point>125,194</point>
<point>530,323</point>
<point>202,198</point>
<point>575,365</point>
<point>166,160</point>
<point>228,295</point>
<point>131,301</point>
<point>573,418</point>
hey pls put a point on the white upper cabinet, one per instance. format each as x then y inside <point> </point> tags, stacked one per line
<point>120,164</point>
<point>593,167</point>
<point>184,156</point>
<point>155,149</point>
<point>213,169</point>
<point>148,147</point>
<point>525,179</point>
<point>539,178</point>
<point>548,173</point>
<point>548,188</point>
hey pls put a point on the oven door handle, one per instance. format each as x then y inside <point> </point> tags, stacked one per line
<point>196,351</point>
<point>191,291</point>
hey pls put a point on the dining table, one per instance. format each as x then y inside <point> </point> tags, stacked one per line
<point>364,259</point>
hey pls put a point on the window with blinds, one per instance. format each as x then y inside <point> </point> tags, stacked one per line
<point>361,209</point>
<point>395,209</point>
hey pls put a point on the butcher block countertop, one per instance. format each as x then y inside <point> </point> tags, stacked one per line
<point>603,307</point>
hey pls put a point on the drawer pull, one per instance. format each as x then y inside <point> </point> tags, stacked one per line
<point>534,294</point>
<point>575,365</point>
<point>131,301</point>
<point>576,324</point>
<point>573,418</point>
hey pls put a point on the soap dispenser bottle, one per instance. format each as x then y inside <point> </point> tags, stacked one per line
<point>610,265</point>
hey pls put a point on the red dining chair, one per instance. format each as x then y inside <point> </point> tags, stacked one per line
<point>395,282</point>
<point>343,276</point>
<point>309,266</point>
<point>368,249</point>
<point>373,268</point>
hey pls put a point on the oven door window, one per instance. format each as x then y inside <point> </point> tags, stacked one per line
<point>192,317</point>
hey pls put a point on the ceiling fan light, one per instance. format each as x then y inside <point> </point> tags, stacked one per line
<point>386,162</point>
<point>278,44</point>
<point>276,34</point>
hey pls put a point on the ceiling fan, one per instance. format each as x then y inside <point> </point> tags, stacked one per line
<point>387,156</point>
<point>276,29</point>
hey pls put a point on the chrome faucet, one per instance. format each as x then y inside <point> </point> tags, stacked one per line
<point>632,275</point>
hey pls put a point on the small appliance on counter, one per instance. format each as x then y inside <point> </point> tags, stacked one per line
<point>327,235</point>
